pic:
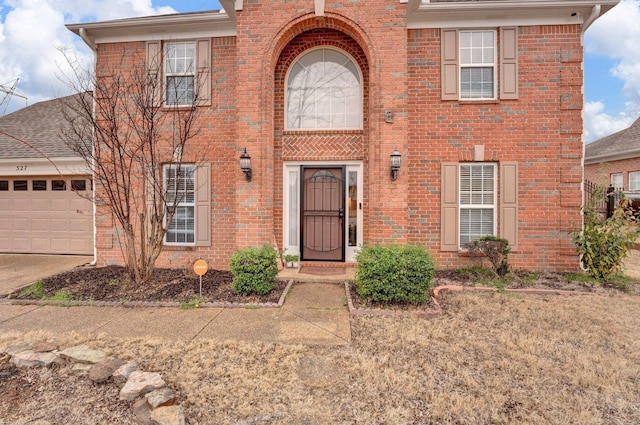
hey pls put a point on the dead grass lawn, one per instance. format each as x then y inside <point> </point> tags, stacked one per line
<point>490,359</point>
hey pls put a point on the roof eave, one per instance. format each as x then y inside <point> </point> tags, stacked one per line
<point>619,156</point>
<point>508,12</point>
<point>202,24</point>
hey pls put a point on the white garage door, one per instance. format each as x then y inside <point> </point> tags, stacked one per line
<point>46,215</point>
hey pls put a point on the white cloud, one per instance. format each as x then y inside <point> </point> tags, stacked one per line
<point>33,30</point>
<point>616,36</point>
<point>599,124</point>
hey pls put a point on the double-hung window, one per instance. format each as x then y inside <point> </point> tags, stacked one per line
<point>180,184</point>
<point>477,64</point>
<point>616,181</point>
<point>477,198</point>
<point>474,68</point>
<point>180,73</point>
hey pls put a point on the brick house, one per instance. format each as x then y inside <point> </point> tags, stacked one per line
<point>478,102</point>
<point>615,159</point>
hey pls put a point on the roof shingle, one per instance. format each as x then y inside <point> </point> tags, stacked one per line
<point>40,125</point>
<point>622,142</point>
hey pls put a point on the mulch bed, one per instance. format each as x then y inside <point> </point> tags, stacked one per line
<point>518,279</point>
<point>112,283</point>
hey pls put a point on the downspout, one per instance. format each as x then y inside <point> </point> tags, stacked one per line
<point>595,14</point>
<point>87,40</point>
<point>94,48</point>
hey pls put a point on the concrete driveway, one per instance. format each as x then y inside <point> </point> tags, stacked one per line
<point>19,270</point>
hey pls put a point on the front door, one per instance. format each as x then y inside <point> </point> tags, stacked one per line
<point>323,214</point>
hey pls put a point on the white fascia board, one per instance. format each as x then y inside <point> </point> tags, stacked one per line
<point>26,167</point>
<point>501,13</point>
<point>612,157</point>
<point>162,27</point>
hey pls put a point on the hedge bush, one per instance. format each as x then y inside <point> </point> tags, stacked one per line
<point>254,270</point>
<point>394,274</point>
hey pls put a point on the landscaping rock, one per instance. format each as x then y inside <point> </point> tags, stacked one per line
<point>140,383</point>
<point>101,372</point>
<point>44,347</point>
<point>170,415</point>
<point>142,412</point>
<point>161,397</point>
<point>123,372</point>
<point>18,348</point>
<point>82,354</point>
<point>33,359</point>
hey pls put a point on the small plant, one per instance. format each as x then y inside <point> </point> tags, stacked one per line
<point>494,249</point>
<point>289,258</point>
<point>194,302</point>
<point>394,274</point>
<point>603,243</point>
<point>35,291</point>
<point>254,270</point>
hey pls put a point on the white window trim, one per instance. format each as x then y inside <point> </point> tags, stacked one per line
<point>168,74</point>
<point>468,207</point>
<point>636,188</point>
<point>181,204</point>
<point>350,251</point>
<point>286,90</point>
<point>494,65</point>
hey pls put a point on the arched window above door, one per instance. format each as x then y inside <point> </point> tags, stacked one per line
<point>324,91</point>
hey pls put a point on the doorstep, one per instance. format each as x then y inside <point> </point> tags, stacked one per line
<point>328,272</point>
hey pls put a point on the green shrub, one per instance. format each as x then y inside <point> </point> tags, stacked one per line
<point>494,249</point>
<point>603,243</point>
<point>394,274</point>
<point>254,270</point>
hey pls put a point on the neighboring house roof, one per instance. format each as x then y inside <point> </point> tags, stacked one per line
<point>621,145</point>
<point>40,125</point>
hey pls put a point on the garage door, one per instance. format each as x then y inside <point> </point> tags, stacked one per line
<point>46,215</point>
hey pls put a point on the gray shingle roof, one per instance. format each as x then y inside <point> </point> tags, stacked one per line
<point>40,125</point>
<point>623,142</point>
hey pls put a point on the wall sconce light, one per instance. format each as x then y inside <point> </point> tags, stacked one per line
<point>245,164</point>
<point>396,161</point>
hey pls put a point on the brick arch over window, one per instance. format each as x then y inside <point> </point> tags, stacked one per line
<point>309,22</point>
<point>318,145</point>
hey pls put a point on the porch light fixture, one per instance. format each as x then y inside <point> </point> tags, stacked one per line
<point>396,161</point>
<point>245,164</point>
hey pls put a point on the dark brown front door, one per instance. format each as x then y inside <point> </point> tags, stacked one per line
<point>323,214</point>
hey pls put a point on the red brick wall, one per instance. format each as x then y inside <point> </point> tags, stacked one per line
<point>601,173</point>
<point>215,140</point>
<point>541,131</point>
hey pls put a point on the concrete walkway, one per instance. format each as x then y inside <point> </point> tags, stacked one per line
<point>313,313</point>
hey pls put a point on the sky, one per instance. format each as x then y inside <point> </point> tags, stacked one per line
<point>32,33</point>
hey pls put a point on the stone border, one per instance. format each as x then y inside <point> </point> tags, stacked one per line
<point>434,312</point>
<point>134,304</point>
<point>151,401</point>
